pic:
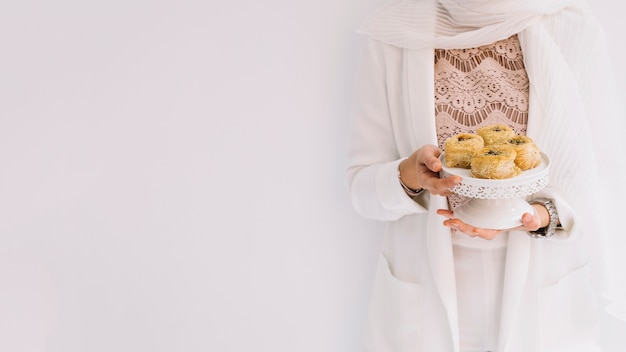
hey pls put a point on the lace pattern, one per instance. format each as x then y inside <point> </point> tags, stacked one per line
<point>480,86</point>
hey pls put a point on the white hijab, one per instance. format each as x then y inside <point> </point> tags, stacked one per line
<point>578,120</point>
<point>455,24</point>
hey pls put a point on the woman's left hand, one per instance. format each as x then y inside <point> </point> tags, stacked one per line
<point>530,222</point>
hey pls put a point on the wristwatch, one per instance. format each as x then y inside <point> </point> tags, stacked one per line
<point>549,230</point>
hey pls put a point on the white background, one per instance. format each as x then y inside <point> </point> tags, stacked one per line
<point>171,177</point>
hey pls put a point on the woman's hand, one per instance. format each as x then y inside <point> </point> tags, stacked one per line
<point>421,170</point>
<point>530,222</point>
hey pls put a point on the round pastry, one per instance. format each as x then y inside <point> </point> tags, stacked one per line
<point>461,148</point>
<point>528,155</point>
<point>495,134</point>
<point>495,162</point>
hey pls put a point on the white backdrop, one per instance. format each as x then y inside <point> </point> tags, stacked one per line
<point>171,177</point>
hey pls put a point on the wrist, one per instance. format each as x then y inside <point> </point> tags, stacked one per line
<point>407,173</point>
<point>410,188</point>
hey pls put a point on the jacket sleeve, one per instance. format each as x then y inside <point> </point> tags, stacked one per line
<point>373,156</point>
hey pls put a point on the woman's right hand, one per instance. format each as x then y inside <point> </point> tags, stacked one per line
<point>421,170</point>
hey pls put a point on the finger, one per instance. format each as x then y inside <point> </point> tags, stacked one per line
<point>432,162</point>
<point>450,181</point>
<point>487,234</point>
<point>461,226</point>
<point>530,222</point>
<point>430,158</point>
<point>442,186</point>
<point>445,212</point>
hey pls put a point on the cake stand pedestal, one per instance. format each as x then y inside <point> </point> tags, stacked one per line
<point>497,204</point>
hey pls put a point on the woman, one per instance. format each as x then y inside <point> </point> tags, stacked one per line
<point>542,68</point>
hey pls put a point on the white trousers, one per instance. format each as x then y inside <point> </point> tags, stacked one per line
<point>479,269</point>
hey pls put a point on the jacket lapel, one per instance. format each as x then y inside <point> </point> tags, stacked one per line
<point>419,87</point>
<point>439,242</point>
<point>420,90</point>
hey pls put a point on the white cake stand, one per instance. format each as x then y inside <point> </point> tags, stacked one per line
<point>497,204</point>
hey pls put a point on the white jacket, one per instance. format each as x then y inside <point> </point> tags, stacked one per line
<point>548,301</point>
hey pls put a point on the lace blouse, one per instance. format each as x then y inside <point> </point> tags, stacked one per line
<point>480,86</point>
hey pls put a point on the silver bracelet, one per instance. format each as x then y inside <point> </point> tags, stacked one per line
<point>549,230</point>
<point>409,191</point>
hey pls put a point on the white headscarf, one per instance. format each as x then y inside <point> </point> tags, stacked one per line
<point>581,125</point>
<point>455,24</point>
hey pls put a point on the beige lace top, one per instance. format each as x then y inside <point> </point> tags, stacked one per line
<point>480,86</point>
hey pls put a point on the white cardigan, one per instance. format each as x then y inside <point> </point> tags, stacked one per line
<point>548,301</point>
